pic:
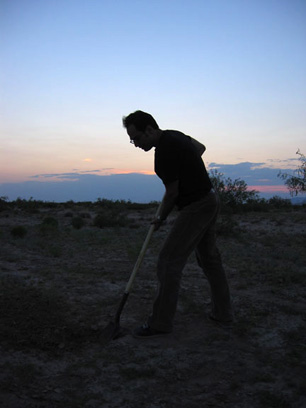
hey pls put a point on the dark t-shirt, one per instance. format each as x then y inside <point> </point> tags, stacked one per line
<point>176,158</point>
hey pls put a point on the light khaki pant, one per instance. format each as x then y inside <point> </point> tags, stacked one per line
<point>193,230</point>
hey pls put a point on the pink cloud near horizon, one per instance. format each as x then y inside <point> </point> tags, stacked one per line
<point>269,189</point>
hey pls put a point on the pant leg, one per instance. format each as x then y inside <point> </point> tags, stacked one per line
<point>209,259</point>
<point>187,232</point>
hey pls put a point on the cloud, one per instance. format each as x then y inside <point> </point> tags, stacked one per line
<point>251,173</point>
<point>101,171</point>
<point>90,171</point>
<point>75,174</point>
<point>55,175</point>
<point>291,163</point>
<point>270,190</point>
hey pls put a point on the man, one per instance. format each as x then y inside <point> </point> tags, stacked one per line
<point>179,164</point>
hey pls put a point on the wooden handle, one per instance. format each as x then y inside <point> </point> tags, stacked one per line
<point>141,254</point>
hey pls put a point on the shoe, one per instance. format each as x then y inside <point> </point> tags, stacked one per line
<point>146,332</point>
<point>227,324</point>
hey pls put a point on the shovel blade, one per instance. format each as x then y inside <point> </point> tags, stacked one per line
<point>110,332</point>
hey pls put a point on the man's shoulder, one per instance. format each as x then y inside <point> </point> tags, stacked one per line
<point>174,138</point>
<point>175,134</point>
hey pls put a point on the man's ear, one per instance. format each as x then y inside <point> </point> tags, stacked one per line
<point>149,130</point>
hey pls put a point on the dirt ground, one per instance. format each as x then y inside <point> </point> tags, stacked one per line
<point>61,286</point>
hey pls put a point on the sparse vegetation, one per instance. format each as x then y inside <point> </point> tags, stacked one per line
<point>60,285</point>
<point>50,222</point>
<point>48,226</point>
<point>233,194</point>
<point>110,218</point>
<point>78,222</point>
<point>296,182</point>
<point>3,203</point>
<point>32,316</point>
<point>19,231</point>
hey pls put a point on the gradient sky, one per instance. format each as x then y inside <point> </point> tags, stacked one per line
<point>230,73</point>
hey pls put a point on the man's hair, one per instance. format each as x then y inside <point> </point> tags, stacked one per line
<point>140,120</point>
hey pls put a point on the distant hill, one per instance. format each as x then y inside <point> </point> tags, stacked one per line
<point>298,200</point>
<point>88,187</point>
<point>136,187</point>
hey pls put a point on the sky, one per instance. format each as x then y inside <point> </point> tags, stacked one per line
<point>230,73</point>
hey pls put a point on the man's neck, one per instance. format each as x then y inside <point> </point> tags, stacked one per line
<point>157,136</point>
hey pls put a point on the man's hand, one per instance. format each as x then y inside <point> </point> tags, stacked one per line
<point>169,200</point>
<point>157,222</point>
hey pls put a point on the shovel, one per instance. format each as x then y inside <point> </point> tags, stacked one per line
<point>113,329</point>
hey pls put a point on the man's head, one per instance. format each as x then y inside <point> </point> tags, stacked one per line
<point>140,120</point>
<point>142,128</point>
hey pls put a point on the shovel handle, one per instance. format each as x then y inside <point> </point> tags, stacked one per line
<point>141,254</point>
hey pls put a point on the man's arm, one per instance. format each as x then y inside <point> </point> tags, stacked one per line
<point>169,201</point>
<point>199,146</point>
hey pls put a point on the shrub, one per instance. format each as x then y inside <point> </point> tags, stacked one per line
<point>226,225</point>
<point>296,182</point>
<point>19,231</point>
<point>278,202</point>
<point>107,218</point>
<point>48,225</point>
<point>31,316</point>
<point>77,222</point>
<point>50,221</point>
<point>233,194</point>
<point>85,215</point>
<point>3,203</point>
<point>110,204</point>
<point>256,204</point>
<point>31,206</point>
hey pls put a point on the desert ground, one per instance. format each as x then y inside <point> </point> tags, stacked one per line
<point>63,273</point>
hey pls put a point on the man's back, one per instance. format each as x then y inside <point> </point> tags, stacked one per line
<point>176,158</point>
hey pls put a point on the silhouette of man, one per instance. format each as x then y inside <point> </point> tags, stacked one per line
<point>179,165</point>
